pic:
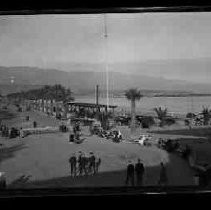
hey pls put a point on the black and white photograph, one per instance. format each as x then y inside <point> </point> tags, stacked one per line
<point>105,100</point>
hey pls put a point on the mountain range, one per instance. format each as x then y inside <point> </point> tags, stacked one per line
<point>82,78</point>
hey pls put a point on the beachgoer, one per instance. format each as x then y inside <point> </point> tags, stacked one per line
<point>163,180</point>
<point>139,169</point>
<point>130,174</point>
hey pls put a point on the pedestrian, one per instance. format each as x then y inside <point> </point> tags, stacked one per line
<point>86,165</point>
<point>72,162</point>
<point>80,169</point>
<point>139,170</point>
<point>35,124</point>
<point>130,174</point>
<point>163,179</point>
<point>92,163</point>
<point>91,130</point>
<point>83,165</point>
<point>21,133</point>
<point>97,165</point>
<point>71,137</point>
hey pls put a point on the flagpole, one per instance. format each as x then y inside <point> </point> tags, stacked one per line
<point>106,61</point>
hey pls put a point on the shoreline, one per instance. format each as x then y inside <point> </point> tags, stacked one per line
<point>153,96</point>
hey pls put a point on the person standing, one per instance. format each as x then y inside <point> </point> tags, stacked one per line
<point>83,164</point>
<point>97,165</point>
<point>80,163</point>
<point>86,164</point>
<point>130,174</point>
<point>34,124</point>
<point>92,163</point>
<point>72,162</point>
<point>139,170</point>
<point>163,180</point>
<point>71,137</point>
<point>21,133</point>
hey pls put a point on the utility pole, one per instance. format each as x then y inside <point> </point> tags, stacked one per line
<point>97,95</point>
<point>97,101</point>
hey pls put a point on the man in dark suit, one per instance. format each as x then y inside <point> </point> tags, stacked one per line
<point>73,162</point>
<point>130,174</point>
<point>139,169</point>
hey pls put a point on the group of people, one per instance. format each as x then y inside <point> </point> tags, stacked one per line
<point>83,165</point>
<point>75,134</point>
<point>133,172</point>
<point>13,132</point>
<point>168,144</point>
<point>115,135</point>
<point>174,146</point>
<point>5,131</point>
<point>136,172</point>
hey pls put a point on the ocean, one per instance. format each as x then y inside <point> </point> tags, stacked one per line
<point>175,105</point>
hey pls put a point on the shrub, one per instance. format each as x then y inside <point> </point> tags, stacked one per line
<point>147,121</point>
<point>190,115</point>
<point>169,121</point>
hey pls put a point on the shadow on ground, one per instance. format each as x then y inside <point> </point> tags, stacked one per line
<point>9,152</point>
<point>182,176</point>
<point>198,132</point>
<point>102,179</point>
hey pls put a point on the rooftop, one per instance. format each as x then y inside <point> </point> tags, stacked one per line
<point>93,105</point>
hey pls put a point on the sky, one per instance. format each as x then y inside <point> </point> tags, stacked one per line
<point>49,40</point>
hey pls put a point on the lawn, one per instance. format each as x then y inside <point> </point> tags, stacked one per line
<point>45,158</point>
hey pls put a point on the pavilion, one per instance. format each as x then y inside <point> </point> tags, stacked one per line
<point>92,107</point>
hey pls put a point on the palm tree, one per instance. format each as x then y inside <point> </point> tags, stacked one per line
<point>206,115</point>
<point>162,114</point>
<point>67,98</point>
<point>133,95</point>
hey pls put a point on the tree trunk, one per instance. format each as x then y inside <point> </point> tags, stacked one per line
<point>133,116</point>
<point>51,107</point>
<point>43,105</point>
<point>65,110</point>
<point>57,109</point>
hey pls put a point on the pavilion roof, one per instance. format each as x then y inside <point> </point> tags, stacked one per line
<point>91,105</point>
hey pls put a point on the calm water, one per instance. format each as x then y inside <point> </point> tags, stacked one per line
<point>177,105</point>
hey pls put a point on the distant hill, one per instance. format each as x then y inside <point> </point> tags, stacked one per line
<point>84,82</point>
<point>7,89</point>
